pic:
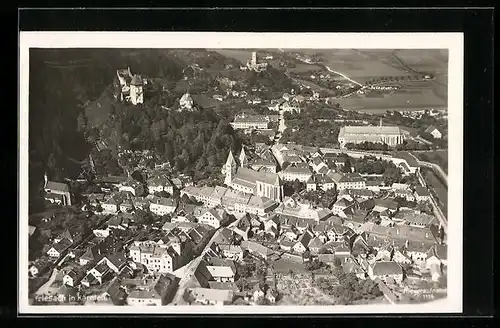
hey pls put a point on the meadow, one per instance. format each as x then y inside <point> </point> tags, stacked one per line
<point>363,65</point>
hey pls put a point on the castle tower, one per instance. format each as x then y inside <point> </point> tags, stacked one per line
<point>243,158</point>
<point>136,90</point>
<point>229,169</point>
<point>381,122</point>
<point>254,58</point>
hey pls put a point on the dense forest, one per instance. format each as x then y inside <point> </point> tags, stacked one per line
<point>64,81</point>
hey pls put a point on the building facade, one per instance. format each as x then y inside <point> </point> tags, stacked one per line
<point>390,135</point>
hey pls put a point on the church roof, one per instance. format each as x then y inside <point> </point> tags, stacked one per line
<point>251,176</point>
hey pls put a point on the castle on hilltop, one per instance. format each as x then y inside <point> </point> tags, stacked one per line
<point>254,65</point>
<point>131,86</point>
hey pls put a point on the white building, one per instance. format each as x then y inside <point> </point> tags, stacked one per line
<point>390,135</point>
<point>161,205</point>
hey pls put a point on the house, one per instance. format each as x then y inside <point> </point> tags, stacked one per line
<point>348,180</point>
<point>406,161</point>
<point>300,172</point>
<point>159,183</point>
<point>221,273</point>
<point>286,244</point>
<point>127,206</point>
<point>164,258</point>
<point>264,164</point>
<point>90,255</point>
<point>58,249</point>
<point>320,181</point>
<point>311,184</point>
<point>162,205</point>
<point>157,292</point>
<point>39,267</point>
<point>405,194</point>
<point>315,245</point>
<point>401,257</point>
<point>233,252</point>
<point>57,192</point>
<point>341,205</point>
<point>73,277</point>
<point>134,187</point>
<point>342,252</point>
<point>256,248</point>
<point>111,205</point>
<point>352,266</point>
<point>421,220</point>
<point>388,204</point>
<point>437,260</point>
<point>244,121</point>
<point>417,251</point>
<point>384,252</point>
<point>66,234</point>
<point>431,129</point>
<point>223,286</point>
<point>302,244</point>
<point>258,293</point>
<point>400,186</point>
<point>210,296</point>
<point>386,269</point>
<point>422,194</point>
<point>317,164</point>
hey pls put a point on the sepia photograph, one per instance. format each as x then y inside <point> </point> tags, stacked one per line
<point>175,172</point>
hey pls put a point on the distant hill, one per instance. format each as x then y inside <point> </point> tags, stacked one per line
<point>271,78</point>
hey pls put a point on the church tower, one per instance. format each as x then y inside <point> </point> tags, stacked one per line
<point>229,169</point>
<point>243,158</point>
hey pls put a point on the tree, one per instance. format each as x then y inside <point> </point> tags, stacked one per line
<point>346,168</point>
<point>313,265</point>
<point>243,284</point>
<point>81,122</point>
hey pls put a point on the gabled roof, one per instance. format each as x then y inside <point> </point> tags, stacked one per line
<point>220,271</point>
<point>430,128</point>
<point>57,186</point>
<point>216,295</point>
<point>315,242</point>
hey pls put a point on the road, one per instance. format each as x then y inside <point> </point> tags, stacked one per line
<point>190,270</point>
<point>45,289</point>
<point>435,207</point>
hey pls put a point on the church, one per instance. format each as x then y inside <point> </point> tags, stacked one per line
<point>259,183</point>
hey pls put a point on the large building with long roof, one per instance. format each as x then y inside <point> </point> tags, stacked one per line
<point>390,135</point>
<point>259,183</point>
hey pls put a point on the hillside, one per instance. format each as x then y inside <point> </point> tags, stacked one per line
<point>61,82</point>
<point>71,91</point>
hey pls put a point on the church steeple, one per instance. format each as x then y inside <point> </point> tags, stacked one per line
<point>229,168</point>
<point>243,158</point>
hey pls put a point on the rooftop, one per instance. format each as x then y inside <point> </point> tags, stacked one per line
<point>373,130</point>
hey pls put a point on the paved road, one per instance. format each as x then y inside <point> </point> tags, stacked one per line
<point>45,288</point>
<point>190,270</point>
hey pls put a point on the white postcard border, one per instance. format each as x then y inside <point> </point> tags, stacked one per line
<point>451,41</point>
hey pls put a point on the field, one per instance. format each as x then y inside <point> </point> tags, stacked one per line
<point>438,188</point>
<point>300,290</point>
<point>437,157</point>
